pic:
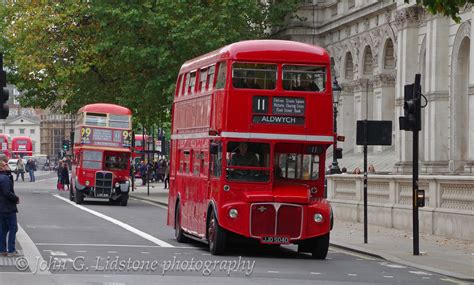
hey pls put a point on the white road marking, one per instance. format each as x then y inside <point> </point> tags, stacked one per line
<point>454,281</point>
<point>388,276</point>
<point>425,277</point>
<point>112,251</point>
<point>151,203</point>
<point>315,273</point>
<point>119,223</point>
<point>392,265</point>
<point>145,252</point>
<point>108,245</point>
<point>270,271</point>
<point>30,251</point>
<point>420,273</point>
<point>57,253</point>
<point>352,274</point>
<point>81,251</point>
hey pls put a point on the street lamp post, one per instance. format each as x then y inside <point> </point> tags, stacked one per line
<point>336,93</point>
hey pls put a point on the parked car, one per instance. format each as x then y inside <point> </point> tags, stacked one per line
<point>12,163</point>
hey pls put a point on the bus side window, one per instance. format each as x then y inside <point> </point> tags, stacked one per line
<point>216,160</point>
<point>187,161</point>
<point>210,78</point>
<point>196,163</point>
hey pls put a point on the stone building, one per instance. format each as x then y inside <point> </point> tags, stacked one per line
<point>376,48</point>
<point>54,129</point>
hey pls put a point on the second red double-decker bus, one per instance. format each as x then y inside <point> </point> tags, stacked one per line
<point>4,145</point>
<point>22,146</point>
<point>102,153</point>
<point>251,125</point>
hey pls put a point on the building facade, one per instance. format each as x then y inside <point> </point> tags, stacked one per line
<point>376,48</point>
<point>54,129</point>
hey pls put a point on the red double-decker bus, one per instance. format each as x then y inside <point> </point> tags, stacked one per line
<point>22,146</point>
<point>4,145</point>
<point>102,153</point>
<point>250,128</point>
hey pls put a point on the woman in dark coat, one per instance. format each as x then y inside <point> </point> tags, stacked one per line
<point>65,176</point>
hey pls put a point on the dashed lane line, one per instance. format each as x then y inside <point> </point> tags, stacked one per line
<point>119,223</point>
<point>109,245</point>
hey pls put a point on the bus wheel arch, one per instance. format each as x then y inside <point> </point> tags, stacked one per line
<point>178,231</point>
<point>216,236</point>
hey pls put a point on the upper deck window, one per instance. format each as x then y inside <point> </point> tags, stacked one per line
<point>210,77</point>
<point>119,121</point>
<point>96,119</point>
<point>304,78</point>
<point>221,75</point>
<point>202,80</point>
<point>254,75</point>
<point>191,83</point>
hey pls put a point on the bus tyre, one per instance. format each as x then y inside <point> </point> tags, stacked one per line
<point>216,236</point>
<point>178,231</point>
<point>320,247</point>
<point>79,197</point>
<point>124,200</point>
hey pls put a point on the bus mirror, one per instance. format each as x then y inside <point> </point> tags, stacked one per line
<point>214,149</point>
<point>338,153</point>
<point>314,149</point>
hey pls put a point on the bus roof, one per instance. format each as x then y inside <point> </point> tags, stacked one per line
<point>21,138</point>
<point>106,108</point>
<point>256,50</point>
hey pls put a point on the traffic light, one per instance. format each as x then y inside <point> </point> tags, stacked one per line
<point>4,94</point>
<point>411,121</point>
<point>65,145</point>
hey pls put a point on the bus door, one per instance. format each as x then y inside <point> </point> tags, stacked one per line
<point>215,170</point>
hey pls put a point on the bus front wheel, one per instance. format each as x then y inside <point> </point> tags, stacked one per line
<point>320,247</point>
<point>216,236</point>
<point>178,231</point>
<point>79,197</point>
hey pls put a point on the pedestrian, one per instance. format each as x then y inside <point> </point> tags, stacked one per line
<point>161,171</point>
<point>31,168</point>
<point>371,169</point>
<point>20,169</point>
<point>65,176</point>
<point>356,171</point>
<point>343,170</point>
<point>59,171</point>
<point>8,210</point>
<point>143,170</point>
<point>167,175</point>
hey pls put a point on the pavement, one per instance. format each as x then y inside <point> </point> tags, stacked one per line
<point>447,256</point>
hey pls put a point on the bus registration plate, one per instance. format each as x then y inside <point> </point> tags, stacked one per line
<point>275,239</point>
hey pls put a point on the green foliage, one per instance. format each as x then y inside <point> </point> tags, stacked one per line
<point>124,52</point>
<point>448,8</point>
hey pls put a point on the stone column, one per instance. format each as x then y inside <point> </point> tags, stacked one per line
<point>363,104</point>
<point>384,101</point>
<point>407,22</point>
<point>345,118</point>
<point>435,88</point>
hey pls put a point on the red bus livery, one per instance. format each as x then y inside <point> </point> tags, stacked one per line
<point>4,145</point>
<point>250,128</point>
<point>102,153</point>
<point>22,146</point>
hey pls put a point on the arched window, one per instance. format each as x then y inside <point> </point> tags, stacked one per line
<point>389,56</point>
<point>349,70</point>
<point>368,61</point>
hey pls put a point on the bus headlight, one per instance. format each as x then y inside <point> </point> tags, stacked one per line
<point>117,185</point>
<point>318,218</point>
<point>88,182</point>
<point>233,213</point>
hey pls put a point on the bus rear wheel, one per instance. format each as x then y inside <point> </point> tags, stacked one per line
<point>320,247</point>
<point>216,236</point>
<point>178,231</point>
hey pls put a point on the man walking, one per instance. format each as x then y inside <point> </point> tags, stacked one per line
<point>8,210</point>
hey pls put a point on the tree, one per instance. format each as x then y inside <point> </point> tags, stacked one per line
<point>448,8</point>
<point>124,52</point>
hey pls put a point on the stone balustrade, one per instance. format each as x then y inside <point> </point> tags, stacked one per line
<point>448,211</point>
